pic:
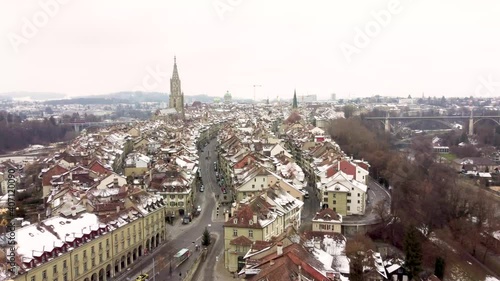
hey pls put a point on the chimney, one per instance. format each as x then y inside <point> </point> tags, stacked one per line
<point>271,262</point>
<point>279,248</point>
<point>73,211</point>
<point>115,182</point>
<point>117,209</point>
<point>226,216</point>
<point>254,219</point>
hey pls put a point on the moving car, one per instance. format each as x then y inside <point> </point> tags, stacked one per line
<point>142,277</point>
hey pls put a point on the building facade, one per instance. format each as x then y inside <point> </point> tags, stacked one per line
<point>88,247</point>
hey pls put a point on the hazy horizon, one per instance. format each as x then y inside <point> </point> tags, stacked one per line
<point>355,49</point>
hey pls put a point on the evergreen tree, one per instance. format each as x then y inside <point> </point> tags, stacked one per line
<point>205,240</point>
<point>413,252</point>
<point>294,104</point>
<point>439,268</point>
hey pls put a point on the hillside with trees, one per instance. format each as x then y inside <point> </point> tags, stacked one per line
<point>425,195</point>
<point>17,133</point>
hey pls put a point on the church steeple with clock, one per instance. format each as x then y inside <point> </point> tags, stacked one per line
<point>176,95</point>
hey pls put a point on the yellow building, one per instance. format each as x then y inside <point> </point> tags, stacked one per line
<point>88,247</point>
<point>327,220</point>
<point>344,195</point>
<point>253,222</point>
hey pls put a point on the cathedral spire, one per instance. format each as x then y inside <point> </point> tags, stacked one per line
<point>175,74</point>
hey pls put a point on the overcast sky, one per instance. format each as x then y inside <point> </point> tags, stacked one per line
<point>351,48</point>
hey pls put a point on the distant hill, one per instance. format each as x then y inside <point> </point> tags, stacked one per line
<point>37,96</point>
<point>113,98</point>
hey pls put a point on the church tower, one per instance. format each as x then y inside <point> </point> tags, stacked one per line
<point>176,95</point>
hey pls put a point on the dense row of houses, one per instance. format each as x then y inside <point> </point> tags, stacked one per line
<point>108,197</point>
<point>266,166</point>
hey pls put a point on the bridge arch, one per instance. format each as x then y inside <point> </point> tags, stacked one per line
<point>404,125</point>
<point>487,118</point>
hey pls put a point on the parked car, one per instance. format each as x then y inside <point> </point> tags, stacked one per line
<point>306,193</point>
<point>198,209</point>
<point>202,188</point>
<point>187,219</point>
<point>142,277</point>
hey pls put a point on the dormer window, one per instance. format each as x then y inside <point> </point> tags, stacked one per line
<point>235,221</point>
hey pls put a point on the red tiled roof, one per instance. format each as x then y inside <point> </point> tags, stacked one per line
<point>326,214</point>
<point>54,171</point>
<point>241,241</point>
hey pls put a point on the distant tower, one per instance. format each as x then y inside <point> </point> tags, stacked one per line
<point>294,104</point>
<point>176,95</point>
<point>227,97</point>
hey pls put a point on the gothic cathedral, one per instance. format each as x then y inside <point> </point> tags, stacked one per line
<point>176,95</point>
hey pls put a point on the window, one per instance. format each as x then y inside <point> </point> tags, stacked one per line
<point>107,254</point>
<point>33,278</point>
<point>325,193</point>
<point>250,233</point>
<point>65,277</point>
<point>180,196</point>
<point>172,204</point>
<point>235,232</point>
<point>348,208</point>
<point>92,249</point>
<point>334,195</point>
<point>255,179</point>
<point>180,204</point>
<point>100,245</point>
<point>334,202</point>
<point>348,194</point>
<point>76,258</point>
<point>263,179</point>
<point>77,271</point>
<point>84,253</point>
<point>261,185</point>
<point>44,274</point>
<point>253,185</point>
<point>100,258</point>
<point>348,201</point>
<point>107,242</point>
<point>55,279</point>
<point>93,262</point>
<point>359,195</point>
<point>172,196</point>
<point>325,199</point>
<point>64,264</point>
<point>85,267</point>
<point>244,194</point>
<point>359,202</point>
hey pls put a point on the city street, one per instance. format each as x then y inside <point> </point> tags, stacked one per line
<point>376,193</point>
<point>187,236</point>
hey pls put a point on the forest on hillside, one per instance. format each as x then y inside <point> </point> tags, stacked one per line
<point>16,133</point>
<point>426,195</point>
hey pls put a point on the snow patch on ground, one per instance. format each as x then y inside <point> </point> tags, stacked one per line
<point>441,243</point>
<point>490,278</point>
<point>458,274</point>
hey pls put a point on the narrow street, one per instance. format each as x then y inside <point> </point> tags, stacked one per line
<point>187,236</point>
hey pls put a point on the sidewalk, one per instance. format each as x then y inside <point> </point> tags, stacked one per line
<point>220,273</point>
